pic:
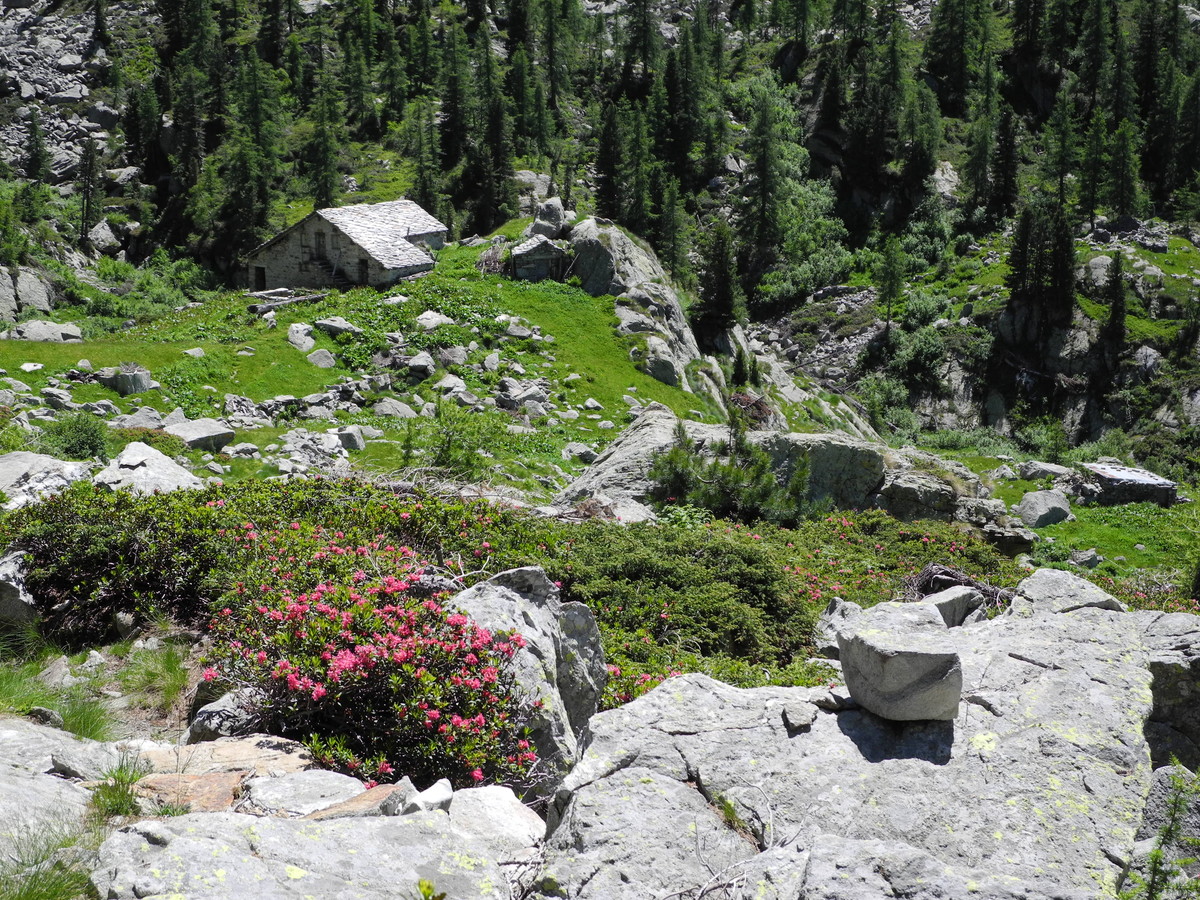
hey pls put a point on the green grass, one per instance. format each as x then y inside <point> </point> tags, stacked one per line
<point>115,797</point>
<point>35,867</point>
<point>159,676</point>
<point>1167,535</point>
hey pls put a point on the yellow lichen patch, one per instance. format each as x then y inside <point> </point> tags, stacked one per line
<point>985,742</point>
<point>294,872</point>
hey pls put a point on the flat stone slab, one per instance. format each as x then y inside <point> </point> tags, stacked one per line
<point>259,754</point>
<point>1056,591</point>
<point>213,792</point>
<point>227,856</point>
<point>300,793</point>
<point>202,434</point>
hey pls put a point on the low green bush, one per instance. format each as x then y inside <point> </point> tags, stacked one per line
<point>738,482</point>
<point>93,553</point>
<point>77,435</point>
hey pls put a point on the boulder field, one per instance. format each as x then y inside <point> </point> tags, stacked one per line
<point>957,756</point>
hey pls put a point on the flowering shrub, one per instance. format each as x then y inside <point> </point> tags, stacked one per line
<point>378,681</point>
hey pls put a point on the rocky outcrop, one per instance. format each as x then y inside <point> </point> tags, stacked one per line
<point>608,261</point>
<point>27,477</point>
<point>1034,789</point>
<point>1044,782</point>
<point>849,472</point>
<point>562,662</point>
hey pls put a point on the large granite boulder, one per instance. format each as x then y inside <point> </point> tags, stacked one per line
<point>39,330</point>
<point>562,663</point>
<point>202,434</point>
<point>143,470</point>
<point>1038,509</point>
<point>28,477</point>
<point>1035,788</point>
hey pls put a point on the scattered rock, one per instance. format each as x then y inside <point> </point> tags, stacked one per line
<point>335,325</point>
<point>201,434</point>
<point>144,470</point>
<point>300,336</point>
<point>322,359</point>
<point>1038,509</point>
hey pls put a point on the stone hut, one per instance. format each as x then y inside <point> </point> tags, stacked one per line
<point>1114,484</point>
<point>372,244</point>
<point>538,258</point>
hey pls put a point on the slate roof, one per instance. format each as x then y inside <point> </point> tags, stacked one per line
<point>382,229</point>
<point>535,243</point>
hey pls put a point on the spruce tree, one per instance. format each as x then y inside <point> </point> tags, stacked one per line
<point>1093,166</point>
<point>323,147</point>
<point>889,278</point>
<point>100,35</point>
<point>1060,145</point>
<point>1004,166</point>
<point>37,158</point>
<point>609,164</point>
<point>89,188</point>
<point>721,304</point>
<point>1122,184</point>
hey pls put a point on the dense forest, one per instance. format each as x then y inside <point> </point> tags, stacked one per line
<point>810,129</point>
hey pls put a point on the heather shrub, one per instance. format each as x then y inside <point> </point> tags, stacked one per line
<point>345,654</point>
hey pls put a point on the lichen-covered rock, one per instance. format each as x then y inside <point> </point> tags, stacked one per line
<point>228,856</point>
<point>1034,790</point>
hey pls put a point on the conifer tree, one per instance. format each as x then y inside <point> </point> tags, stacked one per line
<point>889,278</point>
<point>454,127</point>
<point>89,188</point>
<point>609,164</point>
<point>100,35</point>
<point>1122,183</point>
<point>1093,168</point>
<point>1060,145</point>
<point>721,303</point>
<point>37,158</point>
<point>1003,196</point>
<point>323,148</point>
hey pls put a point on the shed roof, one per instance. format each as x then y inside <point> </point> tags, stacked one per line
<point>535,243</point>
<point>383,229</point>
